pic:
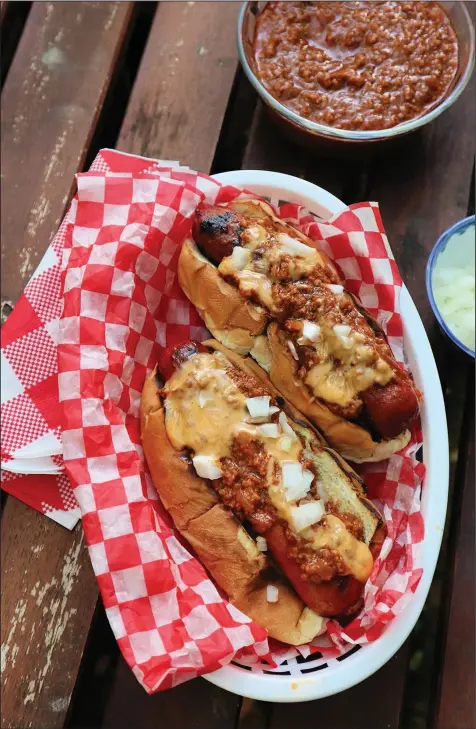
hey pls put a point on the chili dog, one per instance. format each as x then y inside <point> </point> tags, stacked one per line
<point>226,452</point>
<point>264,288</point>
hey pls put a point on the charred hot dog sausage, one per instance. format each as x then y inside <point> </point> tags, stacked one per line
<point>216,231</point>
<point>172,357</point>
<point>391,408</point>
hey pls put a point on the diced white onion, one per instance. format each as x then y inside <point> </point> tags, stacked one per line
<point>204,397</point>
<point>240,257</point>
<point>306,515</point>
<point>292,474</point>
<point>285,427</point>
<point>272,593</point>
<point>454,288</point>
<point>310,333</point>
<point>295,493</point>
<point>336,289</point>
<point>286,443</point>
<point>265,418</point>
<point>292,349</point>
<point>258,407</point>
<point>294,247</point>
<point>296,482</point>
<point>262,353</point>
<point>207,467</point>
<point>269,430</point>
<point>261,544</point>
<point>342,331</point>
<point>307,478</point>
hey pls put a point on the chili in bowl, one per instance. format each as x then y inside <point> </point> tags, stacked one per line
<point>357,71</point>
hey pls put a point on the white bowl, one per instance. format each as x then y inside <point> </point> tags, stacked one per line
<point>317,678</point>
<point>452,249</point>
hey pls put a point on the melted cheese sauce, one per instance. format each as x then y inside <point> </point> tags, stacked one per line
<point>205,411</point>
<point>356,555</point>
<point>359,367</point>
<point>348,363</point>
<point>206,429</point>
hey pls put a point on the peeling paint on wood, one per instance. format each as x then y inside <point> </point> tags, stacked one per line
<point>57,614</point>
<point>6,310</point>
<point>48,624</point>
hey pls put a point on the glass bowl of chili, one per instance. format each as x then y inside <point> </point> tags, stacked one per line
<point>305,129</point>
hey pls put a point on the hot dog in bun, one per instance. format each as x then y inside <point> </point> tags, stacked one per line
<point>264,288</point>
<point>280,521</point>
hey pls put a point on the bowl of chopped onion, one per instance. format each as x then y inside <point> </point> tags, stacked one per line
<point>450,275</point>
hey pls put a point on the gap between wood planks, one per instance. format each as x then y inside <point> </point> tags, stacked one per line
<point>13,18</point>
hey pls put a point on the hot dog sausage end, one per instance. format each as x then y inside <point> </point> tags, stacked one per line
<point>216,231</point>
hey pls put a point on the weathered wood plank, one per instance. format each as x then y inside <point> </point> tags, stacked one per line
<point>193,705</point>
<point>48,598</point>
<point>180,95</point>
<point>50,105</point>
<point>269,149</point>
<point>365,706</point>
<point>455,702</point>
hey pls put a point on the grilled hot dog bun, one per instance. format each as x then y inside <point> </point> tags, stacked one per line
<point>258,282</point>
<point>223,546</point>
<point>201,407</point>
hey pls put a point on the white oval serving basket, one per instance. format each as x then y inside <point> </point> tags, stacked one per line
<point>316,677</point>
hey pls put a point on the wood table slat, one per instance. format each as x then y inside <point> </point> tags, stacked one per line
<point>181,93</point>
<point>195,704</point>
<point>423,189</point>
<point>368,705</point>
<point>456,699</point>
<point>50,105</point>
<point>48,599</point>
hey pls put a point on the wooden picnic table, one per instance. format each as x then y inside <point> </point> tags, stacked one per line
<point>163,80</point>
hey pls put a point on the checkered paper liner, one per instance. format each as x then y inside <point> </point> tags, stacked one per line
<point>32,462</point>
<point>121,304</point>
<point>31,448</point>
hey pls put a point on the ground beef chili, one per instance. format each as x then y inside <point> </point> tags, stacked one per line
<point>243,489</point>
<point>248,384</point>
<point>356,65</point>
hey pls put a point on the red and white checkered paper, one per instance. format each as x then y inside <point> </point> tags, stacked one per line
<point>32,464</point>
<point>121,304</point>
